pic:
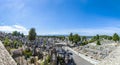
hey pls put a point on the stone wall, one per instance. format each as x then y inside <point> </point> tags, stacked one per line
<point>5,57</point>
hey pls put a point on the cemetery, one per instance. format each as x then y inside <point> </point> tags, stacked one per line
<point>51,50</point>
<point>41,51</point>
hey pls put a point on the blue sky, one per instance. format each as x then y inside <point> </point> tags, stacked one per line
<point>85,17</point>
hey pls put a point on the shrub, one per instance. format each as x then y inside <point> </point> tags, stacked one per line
<point>27,53</point>
<point>98,43</point>
<point>48,58</point>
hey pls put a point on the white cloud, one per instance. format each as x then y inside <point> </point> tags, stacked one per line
<point>13,28</point>
<point>82,31</point>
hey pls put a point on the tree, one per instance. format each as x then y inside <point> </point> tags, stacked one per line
<point>98,42</point>
<point>6,41</point>
<point>16,33</point>
<point>76,38</point>
<point>109,37</point>
<point>22,35</point>
<point>85,42</point>
<point>71,37</point>
<point>32,34</point>
<point>84,38</point>
<point>15,43</point>
<point>115,37</point>
<point>94,38</point>
<point>61,38</point>
<point>97,37</point>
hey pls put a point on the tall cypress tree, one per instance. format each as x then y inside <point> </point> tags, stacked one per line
<point>32,34</point>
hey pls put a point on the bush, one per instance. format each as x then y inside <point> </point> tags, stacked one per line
<point>98,43</point>
<point>48,58</point>
<point>7,42</point>
<point>27,53</point>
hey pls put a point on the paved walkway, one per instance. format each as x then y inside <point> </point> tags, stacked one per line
<point>80,59</point>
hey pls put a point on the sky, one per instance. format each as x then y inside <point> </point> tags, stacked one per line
<point>51,17</point>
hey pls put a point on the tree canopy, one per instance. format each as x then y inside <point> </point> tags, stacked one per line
<point>71,37</point>
<point>97,37</point>
<point>115,37</point>
<point>6,41</point>
<point>32,34</point>
<point>16,33</point>
<point>74,38</point>
<point>84,38</point>
<point>98,42</point>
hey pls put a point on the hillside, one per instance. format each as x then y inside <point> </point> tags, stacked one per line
<point>112,59</point>
<point>5,57</point>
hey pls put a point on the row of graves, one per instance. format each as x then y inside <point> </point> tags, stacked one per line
<point>36,52</point>
<point>51,55</point>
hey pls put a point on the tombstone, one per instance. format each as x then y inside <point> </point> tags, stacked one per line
<point>40,55</point>
<point>34,53</point>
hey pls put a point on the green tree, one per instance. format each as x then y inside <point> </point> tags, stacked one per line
<point>22,35</point>
<point>94,38</point>
<point>61,38</point>
<point>85,42</point>
<point>97,37</point>
<point>76,38</point>
<point>6,41</point>
<point>98,42</point>
<point>16,33</point>
<point>109,37</point>
<point>84,38</point>
<point>115,37</point>
<point>15,43</point>
<point>32,34</point>
<point>71,37</point>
